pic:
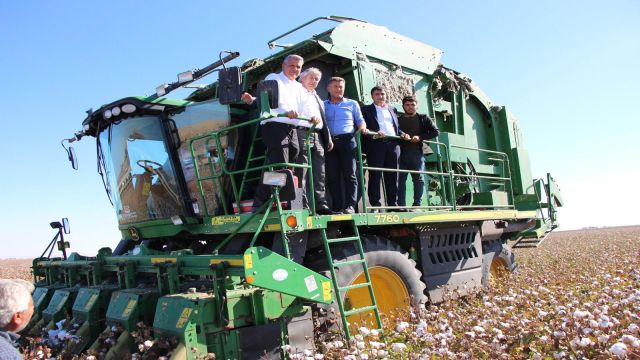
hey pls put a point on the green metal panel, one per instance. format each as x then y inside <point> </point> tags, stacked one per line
<point>181,315</point>
<point>60,305</point>
<point>269,270</point>
<point>521,172</point>
<point>129,306</point>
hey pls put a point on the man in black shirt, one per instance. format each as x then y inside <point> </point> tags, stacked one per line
<point>419,127</point>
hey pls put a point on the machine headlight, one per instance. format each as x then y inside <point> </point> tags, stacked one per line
<point>107,114</point>
<point>115,111</point>
<point>128,108</point>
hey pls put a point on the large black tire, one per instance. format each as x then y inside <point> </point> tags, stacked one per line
<point>497,261</point>
<point>396,281</point>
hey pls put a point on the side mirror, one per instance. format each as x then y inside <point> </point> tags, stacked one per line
<point>72,158</point>
<point>271,87</point>
<point>65,225</point>
<point>229,85</point>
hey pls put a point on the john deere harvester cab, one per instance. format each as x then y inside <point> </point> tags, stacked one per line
<point>202,274</point>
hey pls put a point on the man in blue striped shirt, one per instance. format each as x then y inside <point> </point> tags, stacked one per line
<point>343,119</point>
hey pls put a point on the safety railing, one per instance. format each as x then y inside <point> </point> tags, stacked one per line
<point>444,172</point>
<point>446,177</point>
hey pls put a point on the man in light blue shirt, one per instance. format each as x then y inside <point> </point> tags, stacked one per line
<point>343,119</point>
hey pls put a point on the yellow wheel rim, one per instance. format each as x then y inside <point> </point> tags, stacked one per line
<point>390,291</point>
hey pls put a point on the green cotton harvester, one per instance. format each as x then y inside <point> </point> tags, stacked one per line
<point>201,275</point>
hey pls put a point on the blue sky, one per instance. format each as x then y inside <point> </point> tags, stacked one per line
<point>568,70</point>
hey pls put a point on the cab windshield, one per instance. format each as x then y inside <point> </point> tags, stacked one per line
<point>137,171</point>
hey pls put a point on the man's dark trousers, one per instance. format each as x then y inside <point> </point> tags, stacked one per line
<point>341,170</point>
<point>411,159</point>
<point>281,142</point>
<point>383,153</point>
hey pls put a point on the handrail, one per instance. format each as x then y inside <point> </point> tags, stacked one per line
<point>443,156</point>
<point>449,176</point>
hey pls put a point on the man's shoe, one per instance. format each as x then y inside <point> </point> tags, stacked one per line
<point>325,211</point>
<point>349,210</point>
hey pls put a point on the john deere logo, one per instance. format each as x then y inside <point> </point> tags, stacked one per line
<point>134,234</point>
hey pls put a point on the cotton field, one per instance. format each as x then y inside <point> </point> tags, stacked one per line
<point>576,296</point>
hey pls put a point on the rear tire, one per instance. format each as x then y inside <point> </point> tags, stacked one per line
<point>497,261</point>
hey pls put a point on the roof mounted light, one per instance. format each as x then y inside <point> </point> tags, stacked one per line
<point>128,108</point>
<point>115,111</point>
<point>161,90</point>
<point>184,77</point>
<point>107,114</point>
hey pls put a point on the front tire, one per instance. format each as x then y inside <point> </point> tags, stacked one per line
<point>396,282</point>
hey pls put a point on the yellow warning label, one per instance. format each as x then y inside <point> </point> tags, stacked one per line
<point>232,262</point>
<point>186,312</point>
<point>326,290</point>
<point>163,260</point>
<point>341,217</point>
<point>221,220</point>
<point>127,311</point>
<point>272,227</point>
<point>248,261</point>
<point>92,300</point>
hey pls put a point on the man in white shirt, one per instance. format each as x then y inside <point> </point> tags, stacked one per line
<point>279,134</point>
<point>382,153</point>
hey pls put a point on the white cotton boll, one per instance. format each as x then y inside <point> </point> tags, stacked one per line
<point>593,323</point>
<point>631,340</point>
<point>90,357</point>
<point>359,337</point>
<point>605,324</point>
<point>603,338</point>
<point>148,344</point>
<point>360,344</point>
<point>633,328</point>
<point>560,355</point>
<point>579,314</point>
<point>618,349</point>
<point>307,352</point>
<point>559,334</point>
<point>364,331</point>
<point>471,334</point>
<point>543,338</point>
<point>338,344</point>
<point>382,354</point>
<point>318,357</point>
<point>398,347</point>
<point>374,332</point>
<point>364,356</point>
<point>402,326</point>
<point>350,357</point>
<point>140,347</point>
<point>478,329</point>
<point>286,348</point>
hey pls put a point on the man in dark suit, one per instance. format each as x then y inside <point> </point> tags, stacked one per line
<point>382,152</point>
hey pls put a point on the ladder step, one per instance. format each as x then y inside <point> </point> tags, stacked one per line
<point>344,239</point>
<point>360,310</point>
<point>349,262</point>
<point>354,286</point>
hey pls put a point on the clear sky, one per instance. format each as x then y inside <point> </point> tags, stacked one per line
<point>568,70</point>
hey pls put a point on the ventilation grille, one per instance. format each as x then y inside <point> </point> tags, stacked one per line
<point>451,247</point>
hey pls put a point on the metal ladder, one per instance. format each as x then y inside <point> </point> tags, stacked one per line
<point>333,265</point>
